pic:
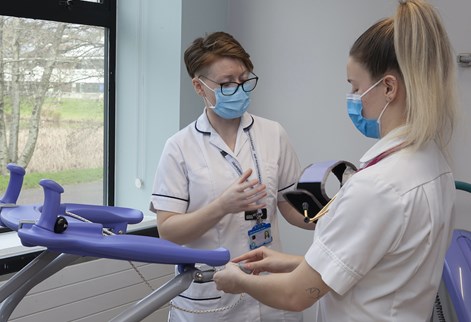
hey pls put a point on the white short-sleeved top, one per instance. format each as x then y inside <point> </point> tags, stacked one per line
<point>192,172</point>
<point>381,246</point>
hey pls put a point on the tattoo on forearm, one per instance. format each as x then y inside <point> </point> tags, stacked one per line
<point>313,292</point>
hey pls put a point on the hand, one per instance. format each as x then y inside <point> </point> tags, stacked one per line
<point>228,279</point>
<point>264,259</point>
<point>242,195</point>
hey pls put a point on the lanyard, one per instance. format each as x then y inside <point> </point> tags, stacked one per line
<point>381,156</point>
<point>237,167</point>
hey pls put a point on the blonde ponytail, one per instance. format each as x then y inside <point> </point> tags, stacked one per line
<point>425,58</point>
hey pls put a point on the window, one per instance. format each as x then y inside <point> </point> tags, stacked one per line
<point>57,62</point>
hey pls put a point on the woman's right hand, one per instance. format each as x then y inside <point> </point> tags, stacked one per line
<point>264,259</point>
<point>243,195</point>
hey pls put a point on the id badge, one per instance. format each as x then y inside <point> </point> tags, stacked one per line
<point>260,235</point>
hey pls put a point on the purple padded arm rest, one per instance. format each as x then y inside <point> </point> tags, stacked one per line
<point>105,214</point>
<point>457,273</point>
<point>316,171</point>
<point>115,218</point>
<point>86,239</point>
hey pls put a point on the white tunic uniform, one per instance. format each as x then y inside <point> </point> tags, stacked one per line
<point>192,173</point>
<point>381,246</point>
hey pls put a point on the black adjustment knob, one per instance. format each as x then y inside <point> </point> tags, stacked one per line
<point>61,225</point>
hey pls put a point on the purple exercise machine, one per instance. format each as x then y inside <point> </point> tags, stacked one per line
<point>67,238</point>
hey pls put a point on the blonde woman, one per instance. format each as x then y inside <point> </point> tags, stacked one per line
<point>378,252</point>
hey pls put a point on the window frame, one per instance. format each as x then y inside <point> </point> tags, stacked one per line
<point>93,14</point>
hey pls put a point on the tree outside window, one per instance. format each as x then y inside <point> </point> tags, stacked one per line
<point>52,83</point>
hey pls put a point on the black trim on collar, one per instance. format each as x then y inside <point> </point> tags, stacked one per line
<point>250,125</point>
<point>203,132</point>
<point>209,133</point>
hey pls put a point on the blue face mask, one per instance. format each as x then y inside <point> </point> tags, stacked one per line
<point>229,107</point>
<point>368,127</point>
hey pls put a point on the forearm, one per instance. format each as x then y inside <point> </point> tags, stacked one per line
<point>186,227</point>
<point>242,195</point>
<point>273,290</point>
<point>294,291</point>
<point>291,262</point>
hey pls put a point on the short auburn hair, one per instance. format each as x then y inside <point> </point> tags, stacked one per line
<point>204,51</point>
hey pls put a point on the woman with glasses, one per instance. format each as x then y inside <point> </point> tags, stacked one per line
<point>378,252</point>
<point>220,180</point>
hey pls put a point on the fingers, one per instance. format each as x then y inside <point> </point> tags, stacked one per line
<point>247,173</point>
<point>253,255</point>
<point>243,195</point>
<point>245,257</point>
<point>227,279</point>
<point>252,186</point>
<point>257,260</point>
<point>245,183</point>
<point>251,192</point>
<point>252,201</point>
<point>254,267</point>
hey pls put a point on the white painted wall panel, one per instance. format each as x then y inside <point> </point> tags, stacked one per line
<point>92,291</point>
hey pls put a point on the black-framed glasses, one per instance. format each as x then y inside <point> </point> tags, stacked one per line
<point>230,88</point>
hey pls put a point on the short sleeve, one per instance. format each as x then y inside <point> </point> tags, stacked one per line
<point>170,189</point>
<point>363,224</point>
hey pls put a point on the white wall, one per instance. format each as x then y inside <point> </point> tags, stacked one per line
<point>147,92</point>
<point>93,291</point>
<point>198,18</point>
<point>456,17</point>
<point>154,94</point>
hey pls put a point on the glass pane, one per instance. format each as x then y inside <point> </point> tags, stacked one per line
<point>52,107</point>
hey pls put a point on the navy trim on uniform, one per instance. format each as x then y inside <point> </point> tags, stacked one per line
<point>286,187</point>
<point>204,132</point>
<point>159,195</point>
<point>209,133</point>
<point>250,125</point>
<point>205,299</point>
